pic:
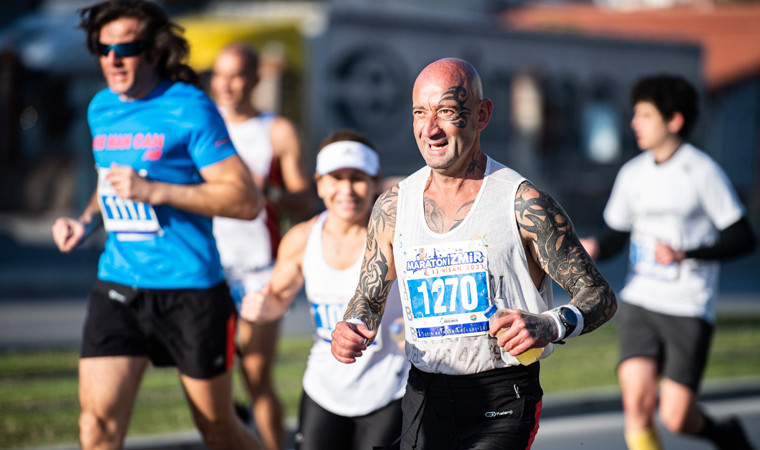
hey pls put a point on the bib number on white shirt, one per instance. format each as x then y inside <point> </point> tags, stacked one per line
<point>326,318</point>
<point>452,294</point>
<point>643,260</point>
<point>448,290</point>
<point>122,215</point>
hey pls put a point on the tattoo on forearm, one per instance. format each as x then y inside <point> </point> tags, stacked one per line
<point>371,293</point>
<point>561,255</point>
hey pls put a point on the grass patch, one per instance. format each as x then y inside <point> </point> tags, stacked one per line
<point>38,389</point>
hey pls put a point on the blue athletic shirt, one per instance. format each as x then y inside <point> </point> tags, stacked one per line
<point>168,136</point>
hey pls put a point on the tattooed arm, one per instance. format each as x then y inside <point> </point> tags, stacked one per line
<point>551,238</point>
<point>553,248</point>
<point>377,275</point>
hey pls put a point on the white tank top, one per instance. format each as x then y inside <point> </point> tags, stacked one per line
<point>448,280</point>
<point>247,245</point>
<point>375,379</point>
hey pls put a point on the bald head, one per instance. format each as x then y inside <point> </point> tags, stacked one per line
<point>233,79</point>
<point>247,55</point>
<point>453,72</point>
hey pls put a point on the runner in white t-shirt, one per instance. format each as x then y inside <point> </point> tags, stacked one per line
<point>682,216</point>
<point>269,146</point>
<point>342,406</point>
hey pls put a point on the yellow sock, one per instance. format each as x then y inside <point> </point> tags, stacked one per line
<point>643,440</point>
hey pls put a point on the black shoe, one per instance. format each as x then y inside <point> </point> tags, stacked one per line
<point>733,436</point>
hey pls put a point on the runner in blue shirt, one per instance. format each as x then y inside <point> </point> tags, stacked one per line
<point>165,166</point>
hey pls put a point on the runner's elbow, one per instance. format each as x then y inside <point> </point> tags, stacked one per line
<point>249,212</point>
<point>249,207</point>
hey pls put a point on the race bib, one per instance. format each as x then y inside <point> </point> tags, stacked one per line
<point>643,261</point>
<point>448,290</point>
<point>127,218</point>
<point>326,317</point>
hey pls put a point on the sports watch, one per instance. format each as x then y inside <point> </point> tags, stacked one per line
<point>568,318</point>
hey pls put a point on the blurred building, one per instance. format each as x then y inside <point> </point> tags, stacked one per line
<point>726,36</point>
<point>560,76</point>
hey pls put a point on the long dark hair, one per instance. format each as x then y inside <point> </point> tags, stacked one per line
<point>163,37</point>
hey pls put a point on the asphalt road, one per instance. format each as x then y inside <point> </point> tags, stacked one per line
<point>589,427</point>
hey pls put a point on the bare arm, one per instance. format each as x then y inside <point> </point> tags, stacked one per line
<point>297,197</point>
<point>554,246</point>
<point>227,190</point>
<point>286,281</point>
<point>69,233</point>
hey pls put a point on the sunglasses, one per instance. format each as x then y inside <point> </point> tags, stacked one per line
<point>122,50</point>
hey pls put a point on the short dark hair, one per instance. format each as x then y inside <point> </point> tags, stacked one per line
<point>669,94</point>
<point>347,135</point>
<point>163,37</point>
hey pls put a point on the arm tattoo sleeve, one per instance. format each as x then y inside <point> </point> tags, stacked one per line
<point>368,302</point>
<point>561,255</point>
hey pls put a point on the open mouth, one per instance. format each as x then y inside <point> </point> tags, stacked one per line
<point>118,76</point>
<point>437,147</point>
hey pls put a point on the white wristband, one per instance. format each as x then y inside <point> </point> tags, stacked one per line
<point>356,321</point>
<point>555,315</point>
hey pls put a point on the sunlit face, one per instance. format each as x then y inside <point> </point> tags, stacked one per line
<point>231,86</point>
<point>649,126</point>
<point>347,193</point>
<point>445,118</point>
<point>131,77</point>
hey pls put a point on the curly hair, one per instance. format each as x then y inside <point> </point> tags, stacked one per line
<point>163,37</point>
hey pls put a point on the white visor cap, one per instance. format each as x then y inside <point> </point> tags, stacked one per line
<point>347,155</point>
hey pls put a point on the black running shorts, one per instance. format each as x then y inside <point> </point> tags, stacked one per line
<point>192,329</point>
<point>320,429</point>
<point>680,345</point>
<point>497,409</point>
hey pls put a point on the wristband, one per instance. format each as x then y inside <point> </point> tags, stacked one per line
<point>356,321</point>
<point>569,319</point>
<point>561,328</point>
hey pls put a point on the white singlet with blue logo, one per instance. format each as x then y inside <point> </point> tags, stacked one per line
<point>447,281</point>
<point>375,379</point>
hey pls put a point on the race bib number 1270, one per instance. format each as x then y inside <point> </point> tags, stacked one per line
<point>448,289</point>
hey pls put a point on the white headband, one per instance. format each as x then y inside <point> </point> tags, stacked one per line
<point>347,155</point>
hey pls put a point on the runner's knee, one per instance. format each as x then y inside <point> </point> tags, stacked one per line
<point>97,432</point>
